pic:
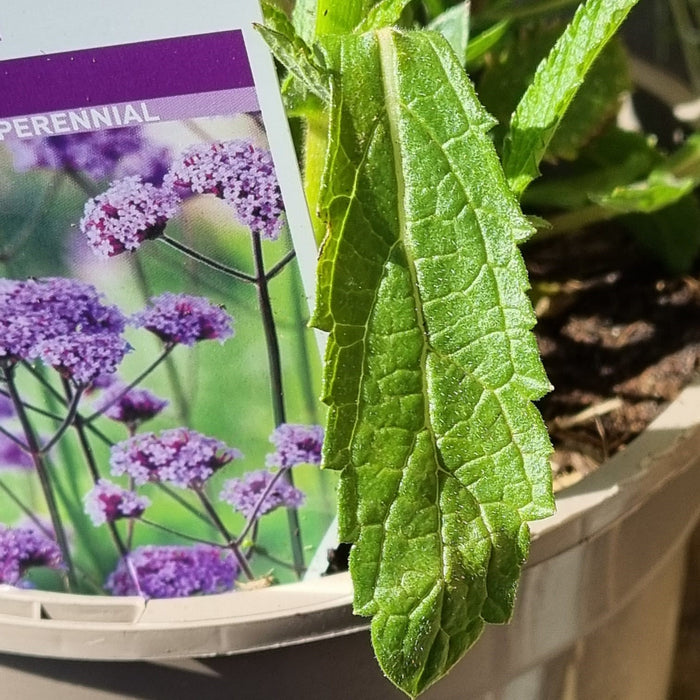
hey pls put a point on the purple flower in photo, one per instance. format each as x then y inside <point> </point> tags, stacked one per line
<point>238,172</point>
<point>23,548</point>
<point>12,456</point>
<point>107,502</point>
<point>100,154</point>
<point>127,214</point>
<point>93,152</point>
<point>36,310</point>
<point>150,162</point>
<point>7,410</point>
<point>184,319</point>
<point>179,456</point>
<point>244,495</point>
<point>175,571</point>
<point>130,406</point>
<point>82,358</point>
<point>296,444</point>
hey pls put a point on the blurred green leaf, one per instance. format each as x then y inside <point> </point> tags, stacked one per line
<point>454,26</point>
<point>555,85</point>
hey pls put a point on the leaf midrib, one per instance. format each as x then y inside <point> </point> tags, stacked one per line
<point>387,62</point>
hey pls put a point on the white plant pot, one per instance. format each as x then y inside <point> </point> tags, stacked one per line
<point>595,618</point>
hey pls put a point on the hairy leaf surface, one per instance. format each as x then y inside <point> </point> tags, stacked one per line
<point>556,82</point>
<point>431,365</point>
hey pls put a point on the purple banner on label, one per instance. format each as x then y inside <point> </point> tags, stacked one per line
<point>126,73</point>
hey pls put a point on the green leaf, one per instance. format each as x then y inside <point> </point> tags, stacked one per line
<point>454,26</point>
<point>671,235</point>
<point>483,42</point>
<point>293,52</point>
<point>555,84</point>
<point>614,159</point>
<point>659,190</point>
<point>316,18</point>
<point>431,366</point>
<point>384,14</point>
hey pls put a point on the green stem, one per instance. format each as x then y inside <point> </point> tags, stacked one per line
<point>315,147</point>
<point>163,356</point>
<point>67,421</point>
<point>276,386</point>
<point>70,581</point>
<point>215,265</point>
<point>230,540</point>
<point>86,448</point>
<point>24,508</point>
<point>180,535</point>
<point>44,203</point>
<point>181,403</point>
<point>575,221</point>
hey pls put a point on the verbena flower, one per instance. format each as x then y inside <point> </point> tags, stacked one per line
<point>184,319</point>
<point>12,456</point>
<point>24,548</point>
<point>244,495</point>
<point>238,172</point>
<point>95,152</point>
<point>175,571</point>
<point>82,358</point>
<point>179,456</point>
<point>35,310</point>
<point>127,214</point>
<point>151,162</point>
<point>296,444</point>
<point>107,502</point>
<point>7,409</point>
<point>129,406</point>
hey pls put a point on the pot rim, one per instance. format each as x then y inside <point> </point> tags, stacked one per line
<point>78,626</point>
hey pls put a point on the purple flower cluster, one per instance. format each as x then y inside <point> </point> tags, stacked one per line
<point>128,213</point>
<point>130,406</point>
<point>175,571</point>
<point>100,154</point>
<point>179,456</point>
<point>296,444</point>
<point>248,496</point>
<point>7,410</point>
<point>23,548</point>
<point>35,311</point>
<point>184,319</point>
<point>12,456</point>
<point>107,502</point>
<point>83,357</point>
<point>238,172</point>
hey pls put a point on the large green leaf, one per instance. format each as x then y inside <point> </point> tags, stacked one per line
<point>431,365</point>
<point>555,85</point>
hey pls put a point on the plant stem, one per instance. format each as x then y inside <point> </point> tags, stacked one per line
<point>31,225</point>
<point>189,252</point>
<point>70,581</point>
<point>230,541</point>
<point>79,426</point>
<point>13,438</point>
<point>276,386</point>
<point>575,220</point>
<point>181,402</point>
<point>163,356</point>
<point>253,518</point>
<point>181,535</point>
<point>278,267</point>
<point>67,421</point>
<point>24,508</point>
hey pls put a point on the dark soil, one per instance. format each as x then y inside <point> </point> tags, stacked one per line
<point>618,340</point>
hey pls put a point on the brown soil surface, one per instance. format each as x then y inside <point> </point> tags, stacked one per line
<point>618,340</point>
